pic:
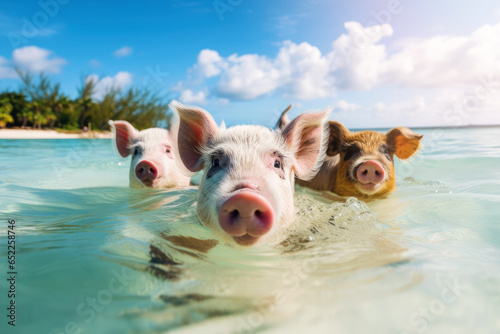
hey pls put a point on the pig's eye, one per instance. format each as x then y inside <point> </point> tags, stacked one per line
<point>385,150</point>
<point>214,168</point>
<point>277,164</point>
<point>136,151</point>
<point>167,150</point>
<point>351,151</point>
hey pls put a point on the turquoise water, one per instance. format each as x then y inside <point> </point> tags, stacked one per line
<point>424,260</point>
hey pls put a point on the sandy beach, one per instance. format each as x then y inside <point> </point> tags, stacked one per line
<point>50,134</point>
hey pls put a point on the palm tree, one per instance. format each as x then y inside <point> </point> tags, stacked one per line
<point>41,103</point>
<point>41,112</point>
<point>39,121</point>
<point>5,116</point>
<point>18,103</point>
<point>25,116</point>
<point>68,114</point>
<point>50,118</point>
<point>85,106</point>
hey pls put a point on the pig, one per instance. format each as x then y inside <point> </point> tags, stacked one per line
<point>246,192</point>
<point>152,151</point>
<point>360,164</point>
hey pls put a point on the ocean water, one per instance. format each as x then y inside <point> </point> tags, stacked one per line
<point>93,256</point>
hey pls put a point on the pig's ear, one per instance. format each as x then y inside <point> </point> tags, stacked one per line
<point>338,134</point>
<point>196,127</point>
<point>284,119</point>
<point>125,134</point>
<point>173,130</point>
<point>403,142</point>
<point>307,137</point>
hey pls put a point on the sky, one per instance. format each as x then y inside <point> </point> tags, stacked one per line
<point>378,63</point>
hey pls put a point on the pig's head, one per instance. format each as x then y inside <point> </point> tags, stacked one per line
<point>153,156</point>
<point>246,193</point>
<point>366,159</point>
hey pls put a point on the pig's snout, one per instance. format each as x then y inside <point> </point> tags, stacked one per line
<point>146,171</point>
<point>370,172</point>
<point>246,214</point>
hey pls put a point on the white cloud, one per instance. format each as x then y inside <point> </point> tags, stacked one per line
<point>6,70</point>
<point>35,59</point>
<point>209,63</point>
<point>106,84</point>
<point>417,111</point>
<point>412,109</point>
<point>449,107</point>
<point>187,96</point>
<point>443,61</point>
<point>439,61</point>
<point>123,52</point>
<point>248,77</point>
<point>303,72</point>
<point>299,69</point>
<point>357,61</point>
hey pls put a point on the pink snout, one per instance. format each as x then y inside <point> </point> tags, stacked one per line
<point>246,214</point>
<point>370,172</point>
<point>146,171</point>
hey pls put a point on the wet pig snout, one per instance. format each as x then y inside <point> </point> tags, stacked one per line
<point>246,213</point>
<point>370,172</point>
<point>146,170</point>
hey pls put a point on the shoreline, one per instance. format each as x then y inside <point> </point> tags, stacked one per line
<point>52,134</point>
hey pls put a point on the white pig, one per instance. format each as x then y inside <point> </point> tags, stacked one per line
<point>247,188</point>
<point>153,156</point>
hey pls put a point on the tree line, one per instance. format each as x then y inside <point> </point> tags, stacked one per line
<point>39,103</point>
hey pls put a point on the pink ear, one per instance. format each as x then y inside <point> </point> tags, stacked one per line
<point>125,134</point>
<point>307,138</point>
<point>196,127</point>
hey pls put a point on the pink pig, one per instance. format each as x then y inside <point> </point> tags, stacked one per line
<point>153,157</point>
<point>247,188</point>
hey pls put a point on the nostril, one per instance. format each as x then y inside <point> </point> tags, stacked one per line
<point>377,173</point>
<point>141,170</point>
<point>365,172</point>
<point>234,214</point>
<point>258,213</point>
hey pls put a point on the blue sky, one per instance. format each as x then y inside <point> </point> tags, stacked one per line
<point>421,64</point>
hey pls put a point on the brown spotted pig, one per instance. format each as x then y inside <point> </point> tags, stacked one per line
<point>360,164</point>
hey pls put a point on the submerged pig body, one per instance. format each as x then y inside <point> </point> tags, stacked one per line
<point>246,193</point>
<point>152,152</point>
<point>361,164</point>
